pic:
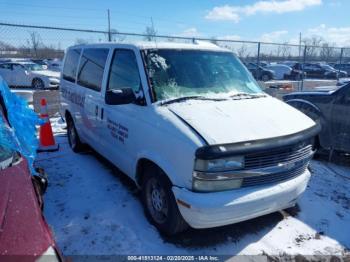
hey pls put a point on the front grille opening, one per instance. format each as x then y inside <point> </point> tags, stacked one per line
<point>299,153</point>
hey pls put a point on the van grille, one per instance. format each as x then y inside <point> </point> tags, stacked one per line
<point>276,157</point>
<point>274,178</point>
<point>299,155</point>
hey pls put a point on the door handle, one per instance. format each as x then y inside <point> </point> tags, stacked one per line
<point>96,111</point>
<point>102,111</point>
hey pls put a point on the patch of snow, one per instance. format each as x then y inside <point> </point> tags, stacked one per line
<point>93,209</point>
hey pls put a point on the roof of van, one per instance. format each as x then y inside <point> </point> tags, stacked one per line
<point>199,45</point>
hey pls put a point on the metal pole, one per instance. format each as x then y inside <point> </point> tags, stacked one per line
<point>258,62</point>
<point>109,27</point>
<point>340,60</point>
<point>302,69</point>
<point>299,44</point>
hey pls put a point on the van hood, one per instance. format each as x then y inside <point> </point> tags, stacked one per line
<point>47,73</point>
<point>231,121</point>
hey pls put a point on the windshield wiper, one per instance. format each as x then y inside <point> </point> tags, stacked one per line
<point>185,98</point>
<point>246,96</point>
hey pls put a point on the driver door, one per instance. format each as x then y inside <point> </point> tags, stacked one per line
<point>122,130</point>
<point>341,121</point>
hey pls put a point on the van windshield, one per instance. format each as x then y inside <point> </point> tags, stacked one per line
<point>176,73</point>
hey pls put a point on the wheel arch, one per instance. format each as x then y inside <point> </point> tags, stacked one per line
<point>312,111</point>
<point>304,105</point>
<point>144,162</point>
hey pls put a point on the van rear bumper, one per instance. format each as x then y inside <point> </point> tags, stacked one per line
<point>205,210</point>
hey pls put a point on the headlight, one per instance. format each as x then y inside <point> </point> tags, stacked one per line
<point>215,185</point>
<point>217,165</point>
<point>209,175</point>
<point>54,80</point>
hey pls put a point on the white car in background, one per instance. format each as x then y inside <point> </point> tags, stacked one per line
<point>28,74</point>
<point>54,64</point>
<point>280,70</point>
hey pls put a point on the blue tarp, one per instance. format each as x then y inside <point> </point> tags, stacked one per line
<point>21,136</point>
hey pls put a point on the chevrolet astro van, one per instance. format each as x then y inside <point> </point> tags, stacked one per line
<point>190,125</point>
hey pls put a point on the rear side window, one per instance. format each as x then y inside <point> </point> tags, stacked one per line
<point>124,72</point>
<point>71,64</point>
<point>92,65</point>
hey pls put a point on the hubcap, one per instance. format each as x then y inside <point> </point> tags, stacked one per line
<point>38,84</point>
<point>156,201</point>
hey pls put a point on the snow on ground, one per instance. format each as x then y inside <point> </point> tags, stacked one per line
<point>93,209</point>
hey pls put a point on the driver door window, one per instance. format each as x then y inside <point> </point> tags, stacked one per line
<point>124,72</point>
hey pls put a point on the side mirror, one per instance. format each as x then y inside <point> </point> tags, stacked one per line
<point>120,96</point>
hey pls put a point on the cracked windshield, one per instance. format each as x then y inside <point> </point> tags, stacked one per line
<point>182,73</point>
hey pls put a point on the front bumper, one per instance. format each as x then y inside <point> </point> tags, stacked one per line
<point>205,210</point>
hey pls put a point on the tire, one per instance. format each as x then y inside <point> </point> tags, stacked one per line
<point>37,83</point>
<point>73,138</point>
<point>265,77</point>
<point>159,202</point>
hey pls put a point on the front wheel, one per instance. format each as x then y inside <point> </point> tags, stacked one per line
<point>38,83</point>
<point>160,204</point>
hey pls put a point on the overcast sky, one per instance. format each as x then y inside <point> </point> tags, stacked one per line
<point>268,20</point>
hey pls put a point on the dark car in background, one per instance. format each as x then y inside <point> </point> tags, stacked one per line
<point>314,70</point>
<point>330,107</point>
<point>341,73</point>
<point>343,67</point>
<point>259,72</point>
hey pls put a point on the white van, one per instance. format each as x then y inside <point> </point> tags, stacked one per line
<point>189,124</point>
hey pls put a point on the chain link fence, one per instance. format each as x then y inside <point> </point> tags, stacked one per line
<point>308,61</point>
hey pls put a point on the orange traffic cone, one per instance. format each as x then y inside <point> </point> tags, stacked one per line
<point>47,141</point>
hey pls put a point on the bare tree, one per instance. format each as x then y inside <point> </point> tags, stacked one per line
<point>285,50</point>
<point>150,33</point>
<point>242,51</point>
<point>327,52</point>
<point>311,45</point>
<point>34,42</point>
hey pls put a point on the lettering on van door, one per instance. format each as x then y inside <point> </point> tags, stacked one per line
<point>117,130</point>
<point>73,97</point>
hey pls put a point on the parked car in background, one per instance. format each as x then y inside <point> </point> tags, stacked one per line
<point>40,62</point>
<point>329,106</point>
<point>260,73</point>
<point>28,74</point>
<point>316,71</point>
<point>54,64</point>
<point>340,73</point>
<point>24,233</point>
<point>343,67</point>
<point>236,153</point>
<point>279,70</point>
<point>285,72</point>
